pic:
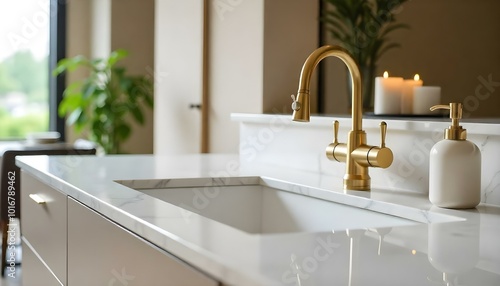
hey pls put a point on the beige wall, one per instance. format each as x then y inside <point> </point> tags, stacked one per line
<point>451,44</point>
<point>97,27</point>
<point>236,46</point>
<point>132,26</point>
<point>78,38</point>
<point>257,49</point>
<point>290,35</point>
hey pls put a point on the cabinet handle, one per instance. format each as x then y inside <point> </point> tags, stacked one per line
<point>37,199</point>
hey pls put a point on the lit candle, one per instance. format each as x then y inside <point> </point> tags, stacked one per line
<point>407,94</point>
<point>424,97</point>
<point>388,94</point>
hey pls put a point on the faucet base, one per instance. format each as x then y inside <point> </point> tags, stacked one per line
<point>357,182</point>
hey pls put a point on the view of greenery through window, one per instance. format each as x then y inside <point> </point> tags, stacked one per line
<point>24,68</point>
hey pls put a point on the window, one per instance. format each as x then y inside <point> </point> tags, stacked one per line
<point>29,29</point>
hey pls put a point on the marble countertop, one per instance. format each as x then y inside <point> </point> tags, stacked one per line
<point>417,124</point>
<point>458,247</point>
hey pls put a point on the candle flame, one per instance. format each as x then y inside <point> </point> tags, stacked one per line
<point>386,74</point>
<point>416,77</point>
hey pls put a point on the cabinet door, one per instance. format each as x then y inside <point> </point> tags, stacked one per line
<point>34,271</point>
<point>178,76</point>
<point>43,223</point>
<point>102,253</point>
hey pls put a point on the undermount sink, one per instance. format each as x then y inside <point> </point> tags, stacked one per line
<point>264,206</point>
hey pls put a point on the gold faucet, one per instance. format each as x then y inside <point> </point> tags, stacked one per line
<point>356,154</point>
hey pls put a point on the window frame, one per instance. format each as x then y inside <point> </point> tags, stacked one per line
<point>57,51</point>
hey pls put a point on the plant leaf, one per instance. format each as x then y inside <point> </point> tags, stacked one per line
<point>122,131</point>
<point>100,99</point>
<point>115,56</point>
<point>137,113</point>
<point>73,116</point>
<point>102,102</point>
<point>361,26</point>
<point>393,27</point>
<point>70,64</point>
<point>88,90</point>
<point>148,99</point>
<point>387,47</point>
<point>69,103</point>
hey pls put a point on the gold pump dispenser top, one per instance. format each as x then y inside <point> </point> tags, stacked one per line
<point>455,131</point>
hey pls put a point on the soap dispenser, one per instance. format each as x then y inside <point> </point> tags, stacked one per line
<point>455,166</point>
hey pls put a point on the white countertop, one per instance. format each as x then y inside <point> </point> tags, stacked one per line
<point>417,124</point>
<point>467,249</point>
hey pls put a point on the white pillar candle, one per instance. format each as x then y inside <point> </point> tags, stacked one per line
<point>407,94</point>
<point>424,97</point>
<point>388,94</point>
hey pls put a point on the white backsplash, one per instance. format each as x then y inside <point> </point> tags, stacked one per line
<point>275,140</point>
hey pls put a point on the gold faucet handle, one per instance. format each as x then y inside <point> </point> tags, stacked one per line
<point>383,133</point>
<point>295,103</point>
<point>336,131</point>
<point>336,151</point>
<point>374,156</point>
<point>380,157</point>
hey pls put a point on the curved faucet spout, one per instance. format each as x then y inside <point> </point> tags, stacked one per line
<point>357,155</point>
<point>301,105</point>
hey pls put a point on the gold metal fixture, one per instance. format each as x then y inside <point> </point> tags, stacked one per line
<point>356,154</point>
<point>455,131</point>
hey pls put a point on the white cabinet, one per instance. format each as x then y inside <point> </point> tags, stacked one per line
<point>101,252</point>
<point>39,274</point>
<point>67,243</point>
<point>44,226</point>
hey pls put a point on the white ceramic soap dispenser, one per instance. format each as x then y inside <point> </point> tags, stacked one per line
<point>455,166</point>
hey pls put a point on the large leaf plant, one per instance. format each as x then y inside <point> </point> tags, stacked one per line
<point>362,26</point>
<point>103,104</point>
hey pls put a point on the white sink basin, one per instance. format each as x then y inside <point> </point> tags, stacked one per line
<point>265,206</point>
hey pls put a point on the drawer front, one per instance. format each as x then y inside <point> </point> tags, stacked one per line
<point>34,271</point>
<point>115,256</point>
<point>44,223</point>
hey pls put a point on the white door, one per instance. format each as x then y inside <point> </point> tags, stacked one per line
<point>178,76</point>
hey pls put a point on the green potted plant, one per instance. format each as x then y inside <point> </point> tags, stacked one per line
<point>362,27</point>
<point>103,104</point>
